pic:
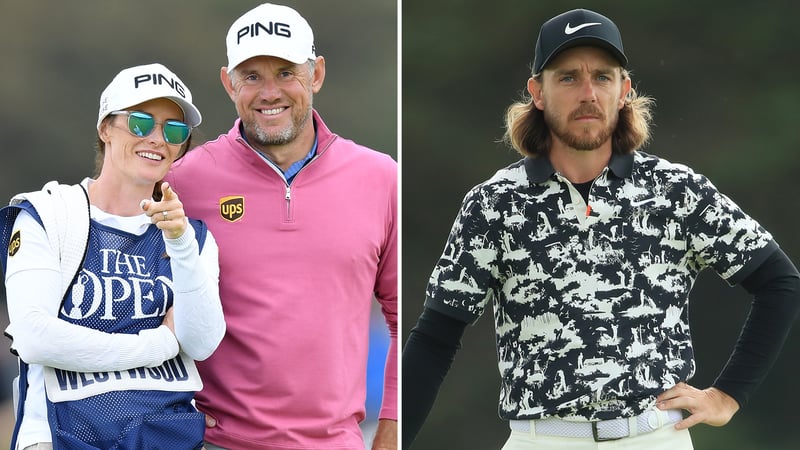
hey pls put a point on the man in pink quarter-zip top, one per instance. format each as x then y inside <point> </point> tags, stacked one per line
<point>306,223</point>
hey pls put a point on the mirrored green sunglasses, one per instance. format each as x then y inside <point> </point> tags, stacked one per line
<point>142,124</point>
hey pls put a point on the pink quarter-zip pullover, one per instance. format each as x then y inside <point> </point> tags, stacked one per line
<point>300,265</point>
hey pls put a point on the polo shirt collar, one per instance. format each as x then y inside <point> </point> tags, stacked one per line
<point>539,169</point>
<point>621,165</point>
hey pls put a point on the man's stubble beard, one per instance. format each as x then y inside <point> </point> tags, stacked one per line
<point>282,137</point>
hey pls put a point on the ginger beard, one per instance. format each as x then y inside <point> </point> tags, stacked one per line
<point>584,140</point>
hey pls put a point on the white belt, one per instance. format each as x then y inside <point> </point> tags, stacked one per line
<point>602,430</point>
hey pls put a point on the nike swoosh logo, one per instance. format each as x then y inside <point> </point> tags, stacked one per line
<point>569,30</point>
<point>639,203</point>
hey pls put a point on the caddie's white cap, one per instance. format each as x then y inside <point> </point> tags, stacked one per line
<point>270,30</point>
<point>142,83</point>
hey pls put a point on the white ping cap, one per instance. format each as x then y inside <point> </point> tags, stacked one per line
<point>270,30</point>
<point>142,83</point>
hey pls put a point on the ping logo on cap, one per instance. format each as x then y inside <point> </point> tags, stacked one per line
<point>231,208</point>
<point>158,79</point>
<point>15,243</point>
<point>272,28</point>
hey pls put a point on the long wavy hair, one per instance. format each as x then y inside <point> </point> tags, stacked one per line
<point>527,132</point>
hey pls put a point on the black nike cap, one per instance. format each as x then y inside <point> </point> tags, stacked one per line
<point>574,28</point>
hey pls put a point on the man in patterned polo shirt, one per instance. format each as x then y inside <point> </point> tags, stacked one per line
<point>587,250</point>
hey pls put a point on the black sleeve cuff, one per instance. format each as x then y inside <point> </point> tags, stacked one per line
<point>450,311</point>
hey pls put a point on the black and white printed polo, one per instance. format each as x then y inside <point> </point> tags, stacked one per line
<point>591,301</point>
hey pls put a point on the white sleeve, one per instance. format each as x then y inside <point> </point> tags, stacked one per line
<point>199,322</point>
<point>33,287</point>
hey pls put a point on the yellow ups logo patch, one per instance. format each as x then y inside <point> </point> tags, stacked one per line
<point>14,243</point>
<point>231,208</point>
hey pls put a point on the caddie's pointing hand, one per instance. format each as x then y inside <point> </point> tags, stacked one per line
<point>167,214</point>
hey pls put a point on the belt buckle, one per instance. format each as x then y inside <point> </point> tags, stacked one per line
<point>596,435</point>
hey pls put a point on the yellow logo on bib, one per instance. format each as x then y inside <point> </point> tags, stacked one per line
<point>14,243</point>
